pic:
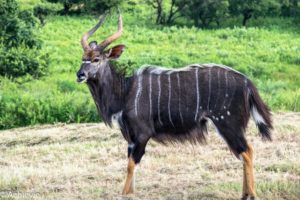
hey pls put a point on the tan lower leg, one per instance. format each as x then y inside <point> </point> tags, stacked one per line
<point>248,186</point>
<point>131,188</point>
<point>245,187</point>
<point>128,187</point>
<point>252,187</point>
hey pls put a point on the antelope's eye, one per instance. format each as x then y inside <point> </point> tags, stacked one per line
<point>96,60</point>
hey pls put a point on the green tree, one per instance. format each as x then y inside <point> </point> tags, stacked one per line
<point>95,6</point>
<point>167,11</point>
<point>16,26</point>
<point>100,6</point>
<point>204,12</point>
<point>67,4</point>
<point>290,8</point>
<point>19,45</point>
<point>253,8</point>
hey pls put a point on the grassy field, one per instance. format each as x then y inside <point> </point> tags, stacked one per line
<point>267,51</point>
<point>88,161</point>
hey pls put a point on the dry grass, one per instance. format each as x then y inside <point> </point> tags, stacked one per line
<point>88,161</point>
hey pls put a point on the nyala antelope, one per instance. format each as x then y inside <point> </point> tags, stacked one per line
<point>172,105</point>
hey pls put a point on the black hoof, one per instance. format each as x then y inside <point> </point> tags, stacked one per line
<point>244,197</point>
<point>252,198</point>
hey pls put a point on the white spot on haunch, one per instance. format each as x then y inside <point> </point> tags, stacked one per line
<point>217,118</point>
<point>226,95</point>
<point>228,113</point>
<point>222,117</point>
<point>224,107</point>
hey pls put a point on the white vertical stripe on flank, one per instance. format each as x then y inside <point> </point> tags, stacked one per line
<point>169,100</point>
<point>158,99</point>
<point>179,97</point>
<point>226,89</point>
<point>219,84</point>
<point>150,95</point>
<point>138,93</point>
<point>209,88</point>
<point>234,89</point>
<point>197,92</point>
<point>246,82</point>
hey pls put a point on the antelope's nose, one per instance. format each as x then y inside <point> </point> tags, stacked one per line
<point>81,77</point>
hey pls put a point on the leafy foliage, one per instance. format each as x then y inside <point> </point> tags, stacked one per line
<point>207,12</point>
<point>17,26</point>
<point>254,8</point>
<point>204,12</point>
<point>67,4</point>
<point>20,46</point>
<point>290,8</point>
<point>19,61</point>
<point>43,10</point>
<point>167,15</point>
<point>100,6</point>
<point>96,6</point>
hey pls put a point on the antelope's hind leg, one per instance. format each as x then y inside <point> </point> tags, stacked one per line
<point>248,186</point>
<point>234,136</point>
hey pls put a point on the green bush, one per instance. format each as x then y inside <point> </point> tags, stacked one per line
<point>41,11</point>
<point>20,61</point>
<point>43,105</point>
<point>20,47</point>
<point>88,6</point>
<point>17,27</point>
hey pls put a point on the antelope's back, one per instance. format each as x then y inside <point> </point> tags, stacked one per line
<point>176,101</point>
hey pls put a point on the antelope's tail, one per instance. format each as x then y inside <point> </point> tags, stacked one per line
<point>260,113</point>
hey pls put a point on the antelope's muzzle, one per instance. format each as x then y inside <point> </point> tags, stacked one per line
<point>81,77</point>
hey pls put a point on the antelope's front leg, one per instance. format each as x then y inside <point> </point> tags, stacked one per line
<point>135,154</point>
<point>130,179</point>
<point>129,183</point>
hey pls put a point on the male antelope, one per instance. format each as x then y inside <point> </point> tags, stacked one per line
<point>173,105</point>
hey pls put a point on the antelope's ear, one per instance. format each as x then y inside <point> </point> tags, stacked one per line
<point>115,52</point>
